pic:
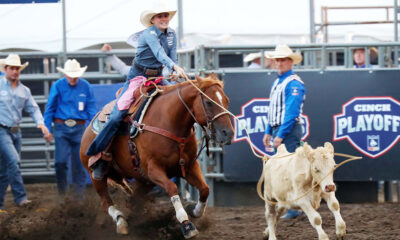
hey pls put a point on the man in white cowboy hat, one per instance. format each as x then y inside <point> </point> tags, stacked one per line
<point>255,60</point>
<point>286,102</point>
<point>156,48</point>
<point>14,97</point>
<point>70,106</point>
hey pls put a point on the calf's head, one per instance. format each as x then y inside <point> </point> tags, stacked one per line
<point>322,164</point>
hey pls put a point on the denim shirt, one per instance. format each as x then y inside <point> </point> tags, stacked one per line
<point>13,101</point>
<point>156,48</point>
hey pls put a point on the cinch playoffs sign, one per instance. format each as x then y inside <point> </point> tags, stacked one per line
<point>254,118</point>
<point>370,124</point>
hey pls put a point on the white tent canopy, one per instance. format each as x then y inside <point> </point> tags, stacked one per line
<point>90,22</point>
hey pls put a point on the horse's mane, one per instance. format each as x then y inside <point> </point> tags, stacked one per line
<point>205,83</point>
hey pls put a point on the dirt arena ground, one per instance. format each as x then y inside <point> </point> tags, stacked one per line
<point>48,218</point>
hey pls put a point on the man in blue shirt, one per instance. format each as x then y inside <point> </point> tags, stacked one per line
<point>156,48</point>
<point>286,103</point>
<point>14,97</point>
<point>359,57</point>
<point>70,105</point>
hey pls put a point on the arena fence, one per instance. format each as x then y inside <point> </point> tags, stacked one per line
<point>37,156</point>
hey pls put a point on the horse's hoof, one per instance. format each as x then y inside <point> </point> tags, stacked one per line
<point>188,230</point>
<point>122,226</point>
<point>190,208</point>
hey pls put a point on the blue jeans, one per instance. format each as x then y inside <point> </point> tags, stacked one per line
<point>10,147</point>
<point>111,127</point>
<point>293,139</point>
<point>67,145</point>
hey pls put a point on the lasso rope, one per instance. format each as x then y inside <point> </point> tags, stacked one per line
<point>265,157</point>
<point>261,180</point>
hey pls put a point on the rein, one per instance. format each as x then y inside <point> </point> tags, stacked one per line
<point>265,157</point>
<point>170,135</point>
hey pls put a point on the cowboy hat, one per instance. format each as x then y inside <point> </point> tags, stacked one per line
<point>12,60</point>
<point>252,56</point>
<point>284,51</point>
<point>147,15</point>
<point>373,52</point>
<point>72,68</point>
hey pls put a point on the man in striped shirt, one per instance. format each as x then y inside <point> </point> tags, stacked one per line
<point>286,102</point>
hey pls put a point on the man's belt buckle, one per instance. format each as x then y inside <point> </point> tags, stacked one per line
<point>70,122</point>
<point>151,72</point>
<point>14,129</point>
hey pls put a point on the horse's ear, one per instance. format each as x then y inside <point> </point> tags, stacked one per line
<point>213,76</point>
<point>199,79</point>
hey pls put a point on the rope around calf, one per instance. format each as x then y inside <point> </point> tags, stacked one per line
<point>265,157</point>
<point>261,180</point>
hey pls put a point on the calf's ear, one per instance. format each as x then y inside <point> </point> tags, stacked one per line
<point>329,147</point>
<point>308,152</point>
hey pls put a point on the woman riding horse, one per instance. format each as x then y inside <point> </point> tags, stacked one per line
<point>167,148</point>
<point>156,47</point>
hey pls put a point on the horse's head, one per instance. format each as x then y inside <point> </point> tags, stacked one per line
<point>209,114</point>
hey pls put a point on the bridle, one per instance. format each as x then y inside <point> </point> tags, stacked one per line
<point>209,119</point>
<point>183,140</point>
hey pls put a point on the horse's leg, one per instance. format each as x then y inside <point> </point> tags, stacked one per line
<point>195,178</point>
<point>158,176</point>
<point>108,206</point>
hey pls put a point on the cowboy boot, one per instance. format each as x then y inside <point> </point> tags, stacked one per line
<point>100,167</point>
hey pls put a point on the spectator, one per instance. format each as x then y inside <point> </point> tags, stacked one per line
<point>156,47</point>
<point>255,61</point>
<point>286,102</point>
<point>70,105</point>
<point>115,61</point>
<point>359,57</point>
<point>14,97</point>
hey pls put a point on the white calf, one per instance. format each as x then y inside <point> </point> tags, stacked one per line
<point>288,180</point>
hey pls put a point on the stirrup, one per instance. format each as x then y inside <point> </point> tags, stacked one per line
<point>106,156</point>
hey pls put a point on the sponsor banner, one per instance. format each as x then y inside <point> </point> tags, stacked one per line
<point>370,124</point>
<point>253,117</point>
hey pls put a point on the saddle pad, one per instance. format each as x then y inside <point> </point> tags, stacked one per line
<point>138,112</point>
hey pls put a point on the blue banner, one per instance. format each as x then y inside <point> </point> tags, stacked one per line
<point>27,1</point>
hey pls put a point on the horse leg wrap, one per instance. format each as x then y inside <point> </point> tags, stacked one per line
<point>198,211</point>
<point>115,213</point>
<point>181,214</point>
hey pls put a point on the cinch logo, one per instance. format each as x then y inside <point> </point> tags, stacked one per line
<point>371,124</point>
<point>254,118</point>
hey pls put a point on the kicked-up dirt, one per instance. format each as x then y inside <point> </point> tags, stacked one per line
<point>49,217</point>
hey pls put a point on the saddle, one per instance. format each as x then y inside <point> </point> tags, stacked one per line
<point>136,113</point>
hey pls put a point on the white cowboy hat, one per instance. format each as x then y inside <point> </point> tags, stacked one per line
<point>146,16</point>
<point>72,68</point>
<point>252,56</point>
<point>12,60</point>
<point>284,51</point>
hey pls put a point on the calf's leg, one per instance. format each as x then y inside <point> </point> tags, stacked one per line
<point>333,205</point>
<point>271,217</point>
<point>314,218</point>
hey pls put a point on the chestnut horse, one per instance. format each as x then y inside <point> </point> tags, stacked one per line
<point>163,157</point>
